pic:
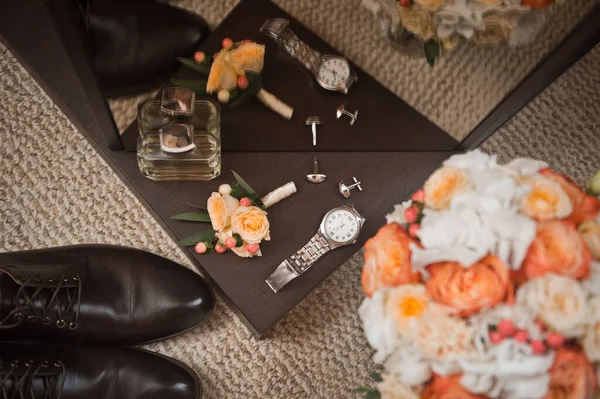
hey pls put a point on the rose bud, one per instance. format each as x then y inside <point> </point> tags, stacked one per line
<point>200,248</point>
<point>199,57</point>
<point>230,242</point>
<point>419,196</point>
<point>227,43</point>
<point>555,340</point>
<point>405,3</point>
<point>252,248</point>
<point>224,189</point>
<point>243,82</point>
<point>411,214</point>
<point>507,328</point>
<point>245,201</point>
<point>220,248</point>
<point>223,96</point>
<point>521,336</point>
<point>413,229</point>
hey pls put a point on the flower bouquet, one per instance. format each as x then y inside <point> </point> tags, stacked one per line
<point>486,284</point>
<point>442,24</point>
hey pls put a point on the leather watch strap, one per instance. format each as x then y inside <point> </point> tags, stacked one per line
<point>298,263</point>
<point>279,30</point>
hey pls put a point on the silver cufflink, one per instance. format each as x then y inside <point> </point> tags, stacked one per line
<point>316,177</point>
<point>345,190</point>
<point>313,121</point>
<point>341,110</point>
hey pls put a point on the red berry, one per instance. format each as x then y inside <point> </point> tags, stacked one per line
<point>411,214</point>
<point>227,43</point>
<point>230,242</point>
<point>541,325</point>
<point>247,41</point>
<point>405,3</point>
<point>496,337</point>
<point>245,201</point>
<point>243,82</point>
<point>200,248</point>
<point>555,340</point>
<point>252,248</point>
<point>507,328</point>
<point>538,347</point>
<point>521,336</point>
<point>413,229</point>
<point>199,57</point>
<point>419,195</point>
<point>220,248</point>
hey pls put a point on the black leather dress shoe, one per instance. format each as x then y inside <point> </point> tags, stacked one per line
<point>134,43</point>
<point>99,294</point>
<point>54,372</point>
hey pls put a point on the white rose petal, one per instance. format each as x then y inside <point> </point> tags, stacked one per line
<point>592,284</point>
<point>409,365</point>
<point>591,340</point>
<point>380,330</point>
<point>393,388</point>
<point>560,301</point>
<point>525,166</point>
<point>397,216</point>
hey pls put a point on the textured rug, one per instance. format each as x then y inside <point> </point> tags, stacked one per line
<point>55,190</point>
<point>457,93</point>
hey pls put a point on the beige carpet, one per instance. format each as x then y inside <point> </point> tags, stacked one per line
<point>55,190</point>
<point>462,88</point>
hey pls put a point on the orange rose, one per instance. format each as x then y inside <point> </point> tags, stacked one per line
<point>572,375</point>
<point>468,290</point>
<point>444,184</point>
<point>585,207</point>
<point>251,223</point>
<point>387,260</point>
<point>539,4</point>
<point>247,57</point>
<point>448,388</point>
<point>557,248</point>
<point>220,207</point>
<point>546,200</point>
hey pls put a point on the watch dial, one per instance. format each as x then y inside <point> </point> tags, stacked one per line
<point>341,226</point>
<point>334,71</point>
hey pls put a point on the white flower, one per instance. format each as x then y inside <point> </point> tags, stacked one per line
<point>409,365</point>
<point>591,340</point>
<point>475,160</point>
<point>460,17</point>
<point>392,315</point>
<point>525,166</point>
<point>558,300</point>
<point>397,216</point>
<point>546,199</point>
<point>592,284</point>
<point>392,388</point>
<point>526,28</point>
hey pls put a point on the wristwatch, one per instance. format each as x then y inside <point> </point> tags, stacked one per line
<point>339,227</point>
<point>333,72</point>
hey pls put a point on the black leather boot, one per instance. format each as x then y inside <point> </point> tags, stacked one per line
<point>54,372</point>
<point>99,294</point>
<point>134,43</point>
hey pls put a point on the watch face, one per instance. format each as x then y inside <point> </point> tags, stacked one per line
<point>341,226</point>
<point>333,72</point>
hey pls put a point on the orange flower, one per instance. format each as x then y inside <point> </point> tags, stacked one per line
<point>539,4</point>
<point>448,388</point>
<point>546,200</point>
<point>444,184</point>
<point>247,57</point>
<point>585,207</point>
<point>387,260</point>
<point>572,375</point>
<point>557,248</point>
<point>467,290</point>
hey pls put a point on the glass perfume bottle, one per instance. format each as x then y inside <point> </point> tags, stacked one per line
<point>179,139</point>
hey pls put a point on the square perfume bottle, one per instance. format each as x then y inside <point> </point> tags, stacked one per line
<point>180,137</point>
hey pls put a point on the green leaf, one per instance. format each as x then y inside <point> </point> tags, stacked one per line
<point>204,235</point>
<point>198,86</point>
<point>236,191</point>
<point>192,217</point>
<point>238,240</point>
<point>376,377</point>
<point>432,51</point>
<point>248,190</point>
<point>255,84</point>
<point>373,395</point>
<point>197,206</point>
<point>203,68</point>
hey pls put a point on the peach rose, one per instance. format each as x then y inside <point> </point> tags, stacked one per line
<point>251,223</point>
<point>468,290</point>
<point>222,76</point>
<point>557,248</point>
<point>220,208</point>
<point>572,375</point>
<point>546,200</point>
<point>417,21</point>
<point>585,207</point>
<point>590,232</point>
<point>448,388</point>
<point>247,57</point>
<point>387,260</point>
<point>443,185</point>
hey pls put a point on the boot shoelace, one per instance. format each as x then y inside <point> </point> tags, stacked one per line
<point>73,303</point>
<point>21,383</point>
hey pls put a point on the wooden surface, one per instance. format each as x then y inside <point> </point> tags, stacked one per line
<point>385,122</point>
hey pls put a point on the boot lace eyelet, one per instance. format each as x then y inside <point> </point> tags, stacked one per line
<point>32,319</point>
<point>61,324</point>
<point>18,316</point>
<point>73,325</point>
<point>46,320</point>
<point>51,279</point>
